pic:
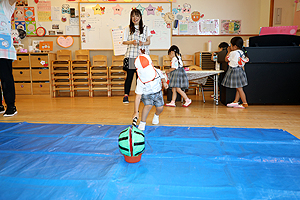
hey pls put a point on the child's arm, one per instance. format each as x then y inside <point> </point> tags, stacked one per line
<point>136,105</point>
<point>227,56</point>
<point>170,70</point>
<point>165,83</point>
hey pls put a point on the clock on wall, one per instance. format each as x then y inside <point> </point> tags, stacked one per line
<point>169,17</point>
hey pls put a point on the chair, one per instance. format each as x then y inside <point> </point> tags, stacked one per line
<point>99,75</point>
<point>63,55</point>
<point>195,85</point>
<point>61,79</point>
<point>188,60</point>
<point>82,55</point>
<point>166,62</point>
<point>116,74</point>
<point>155,61</point>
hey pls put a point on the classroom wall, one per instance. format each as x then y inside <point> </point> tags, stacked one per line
<point>192,44</point>
<point>288,10</point>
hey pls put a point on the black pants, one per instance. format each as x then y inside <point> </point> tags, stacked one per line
<point>128,80</point>
<point>7,82</point>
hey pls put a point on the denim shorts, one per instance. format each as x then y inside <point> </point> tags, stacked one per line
<point>155,99</point>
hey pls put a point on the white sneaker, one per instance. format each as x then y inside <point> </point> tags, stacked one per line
<point>171,104</point>
<point>232,105</point>
<point>155,120</point>
<point>187,103</point>
<point>239,106</point>
<point>142,126</point>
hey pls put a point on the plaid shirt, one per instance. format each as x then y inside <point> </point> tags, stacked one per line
<point>133,51</point>
<point>7,49</point>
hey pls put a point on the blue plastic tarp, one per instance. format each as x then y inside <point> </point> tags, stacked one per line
<point>70,161</point>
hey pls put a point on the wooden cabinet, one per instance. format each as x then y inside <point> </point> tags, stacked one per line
<point>32,73</point>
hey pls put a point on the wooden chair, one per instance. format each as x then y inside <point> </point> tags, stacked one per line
<point>155,61</point>
<point>166,62</point>
<point>61,78</point>
<point>116,74</point>
<point>195,85</point>
<point>64,55</point>
<point>82,55</point>
<point>99,75</point>
<point>188,60</point>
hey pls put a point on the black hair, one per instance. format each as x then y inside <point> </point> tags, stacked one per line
<point>176,50</point>
<point>131,25</point>
<point>239,42</point>
<point>223,45</point>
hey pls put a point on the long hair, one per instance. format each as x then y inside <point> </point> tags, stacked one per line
<point>176,50</point>
<point>131,25</point>
<point>238,41</point>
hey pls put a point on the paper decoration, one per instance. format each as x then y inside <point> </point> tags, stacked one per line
<point>29,14</point>
<point>19,14</point>
<point>55,13</point>
<point>63,18</point>
<point>117,38</point>
<point>22,3</point>
<point>150,10</point>
<point>65,42</point>
<point>117,9</point>
<point>65,9</point>
<point>159,9</point>
<point>174,11</point>
<point>141,8</point>
<point>40,31</point>
<point>45,46</point>
<point>179,17</point>
<point>31,28</point>
<point>36,44</point>
<point>209,26</point>
<point>231,26</point>
<point>196,16</point>
<point>36,1</point>
<point>44,11</point>
<point>179,8</point>
<point>186,8</point>
<point>98,10</point>
<point>20,25</point>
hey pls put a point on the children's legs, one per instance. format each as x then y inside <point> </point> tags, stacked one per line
<point>145,112</point>
<point>174,95</point>
<point>159,110</point>
<point>237,96</point>
<point>182,93</point>
<point>242,94</point>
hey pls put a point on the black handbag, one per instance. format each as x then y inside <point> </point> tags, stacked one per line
<point>126,64</point>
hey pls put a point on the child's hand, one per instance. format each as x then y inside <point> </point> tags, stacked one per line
<point>166,86</point>
<point>135,114</point>
<point>134,42</point>
<point>141,43</point>
<point>229,49</point>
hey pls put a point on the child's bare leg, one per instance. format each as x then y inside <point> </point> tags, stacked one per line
<point>182,93</point>
<point>242,95</point>
<point>237,96</point>
<point>145,112</point>
<point>174,95</point>
<point>159,110</point>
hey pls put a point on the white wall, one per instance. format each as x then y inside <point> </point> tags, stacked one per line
<point>288,10</point>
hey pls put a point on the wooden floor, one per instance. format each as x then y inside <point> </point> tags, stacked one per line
<point>111,110</point>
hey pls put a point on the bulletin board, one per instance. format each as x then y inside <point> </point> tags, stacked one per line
<point>54,16</point>
<point>96,27</point>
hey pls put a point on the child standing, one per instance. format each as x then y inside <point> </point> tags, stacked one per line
<point>178,77</point>
<point>148,89</point>
<point>235,76</point>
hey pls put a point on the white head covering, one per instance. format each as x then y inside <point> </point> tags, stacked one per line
<point>145,69</point>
